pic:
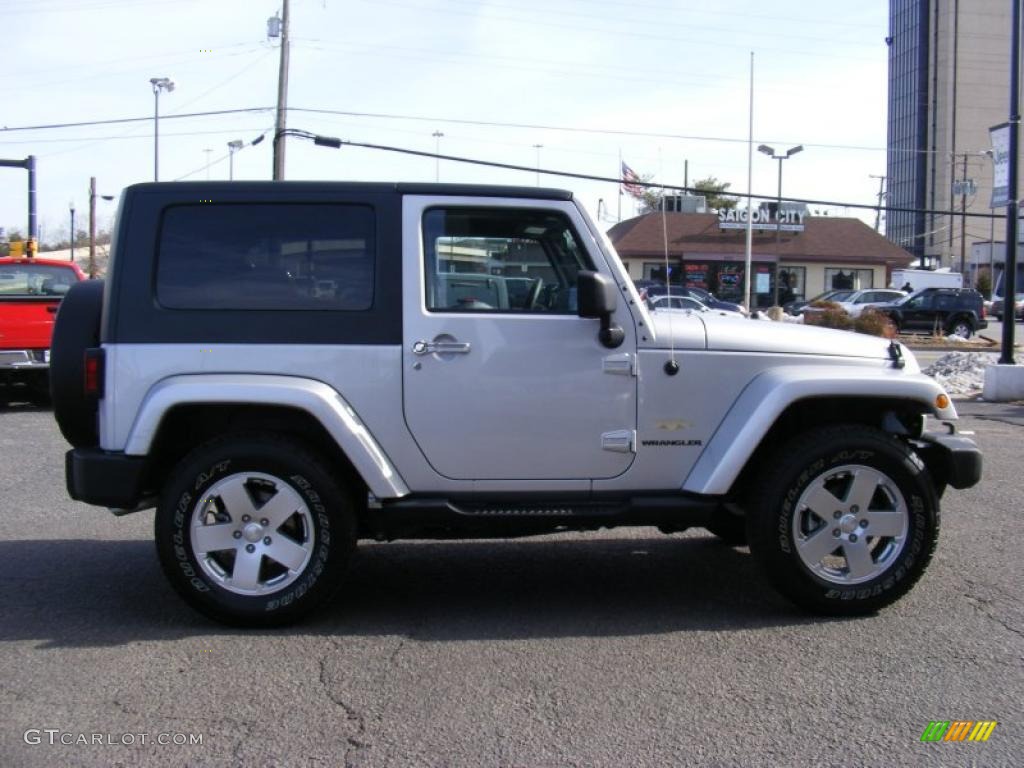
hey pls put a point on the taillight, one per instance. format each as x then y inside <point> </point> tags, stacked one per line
<point>983,315</point>
<point>93,373</point>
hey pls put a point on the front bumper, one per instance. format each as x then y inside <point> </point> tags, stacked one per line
<point>105,478</point>
<point>951,458</point>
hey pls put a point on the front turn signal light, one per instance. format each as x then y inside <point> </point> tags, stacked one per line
<point>942,402</point>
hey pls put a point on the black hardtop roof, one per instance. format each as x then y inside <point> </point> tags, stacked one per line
<point>401,187</point>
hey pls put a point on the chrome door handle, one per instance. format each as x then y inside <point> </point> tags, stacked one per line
<point>441,347</point>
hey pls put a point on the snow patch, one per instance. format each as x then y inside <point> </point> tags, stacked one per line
<point>961,373</point>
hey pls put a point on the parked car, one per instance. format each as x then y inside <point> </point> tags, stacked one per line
<point>858,301</point>
<point>998,311</point>
<point>30,291</point>
<point>674,302</point>
<point>797,307</point>
<point>959,311</point>
<point>652,288</point>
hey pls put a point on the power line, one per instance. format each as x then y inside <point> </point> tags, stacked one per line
<point>330,141</point>
<point>121,120</point>
<point>479,123</point>
<point>123,136</point>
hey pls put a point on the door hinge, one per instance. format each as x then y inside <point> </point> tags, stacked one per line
<point>619,441</point>
<point>623,364</point>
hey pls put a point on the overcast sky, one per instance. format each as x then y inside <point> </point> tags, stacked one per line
<point>582,78</point>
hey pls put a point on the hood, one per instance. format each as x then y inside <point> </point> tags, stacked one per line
<point>728,332</point>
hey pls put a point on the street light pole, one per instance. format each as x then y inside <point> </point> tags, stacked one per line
<point>92,227</point>
<point>437,152</point>
<point>765,149</point>
<point>233,146</point>
<point>538,147</point>
<point>159,84</point>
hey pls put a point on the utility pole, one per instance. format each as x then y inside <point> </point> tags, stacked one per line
<point>963,216</point>
<point>282,99</point>
<point>72,207</point>
<point>92,227</point>
<point>881,196</point>
<point>538,147</point>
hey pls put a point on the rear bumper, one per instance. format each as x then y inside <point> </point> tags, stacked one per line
<point>953,459</point>
<point>24,359</point>
<point>104,478</point>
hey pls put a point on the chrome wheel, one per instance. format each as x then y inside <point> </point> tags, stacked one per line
<point>962,329</point>
<point>850,524</point>
<point>252,533</point>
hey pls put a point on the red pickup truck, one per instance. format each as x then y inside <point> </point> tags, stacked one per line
<point>30,292</point>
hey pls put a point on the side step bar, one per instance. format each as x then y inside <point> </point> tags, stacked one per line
<point>529,515</point>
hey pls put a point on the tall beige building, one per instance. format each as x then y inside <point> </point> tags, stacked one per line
<point>948,84</point>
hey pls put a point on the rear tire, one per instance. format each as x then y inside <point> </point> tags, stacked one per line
<point>845,522</point>
<point>961,327</point>
<point>254,530</point>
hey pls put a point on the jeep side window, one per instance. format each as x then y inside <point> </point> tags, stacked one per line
<point>501,260</point>
<point>267,256</point>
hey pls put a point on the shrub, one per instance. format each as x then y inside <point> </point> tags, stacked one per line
<point>831,315</point>
<point>875,323</point>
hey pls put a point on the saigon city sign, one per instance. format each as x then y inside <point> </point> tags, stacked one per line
<point>789,221</point>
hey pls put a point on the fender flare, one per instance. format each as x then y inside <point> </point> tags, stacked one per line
<point>767,396</point>
<point>319,400</point>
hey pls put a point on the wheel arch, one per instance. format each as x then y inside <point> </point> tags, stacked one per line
<point>183,411</point>
<point>784,402</point>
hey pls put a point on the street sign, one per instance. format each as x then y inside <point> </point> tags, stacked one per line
<point>1000,137</point>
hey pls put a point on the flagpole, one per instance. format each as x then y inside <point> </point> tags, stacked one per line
<point>619,185</point>
<point>747,298</point>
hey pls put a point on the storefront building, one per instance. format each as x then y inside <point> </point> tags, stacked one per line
<point>708,250</point>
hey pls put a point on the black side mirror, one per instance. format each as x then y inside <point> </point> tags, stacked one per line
<point>598,298</point>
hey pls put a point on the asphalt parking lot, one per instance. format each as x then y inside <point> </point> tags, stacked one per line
<point>612,649</point>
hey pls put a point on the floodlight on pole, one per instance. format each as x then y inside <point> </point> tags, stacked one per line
<point>233,146</point>
<point>437,152</point>
<point>158,84</point>
<point>770,151</point>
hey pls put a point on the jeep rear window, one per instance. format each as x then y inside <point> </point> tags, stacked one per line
<point>267,256</point>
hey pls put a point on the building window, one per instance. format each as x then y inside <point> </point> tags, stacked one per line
<point>838,278</point>
<point>792,284</point>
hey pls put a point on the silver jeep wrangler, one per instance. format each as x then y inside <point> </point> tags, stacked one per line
<point>282,369</point>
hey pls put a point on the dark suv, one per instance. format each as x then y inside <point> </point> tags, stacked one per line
<point>957,311</point>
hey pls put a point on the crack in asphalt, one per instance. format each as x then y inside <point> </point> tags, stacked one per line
<point>353,715</point>
<point>985,605</point>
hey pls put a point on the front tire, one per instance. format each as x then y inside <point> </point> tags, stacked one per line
<point>254,530</point>
<point>845,522</point>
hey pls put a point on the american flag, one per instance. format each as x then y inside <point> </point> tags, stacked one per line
<point>629,182</point>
